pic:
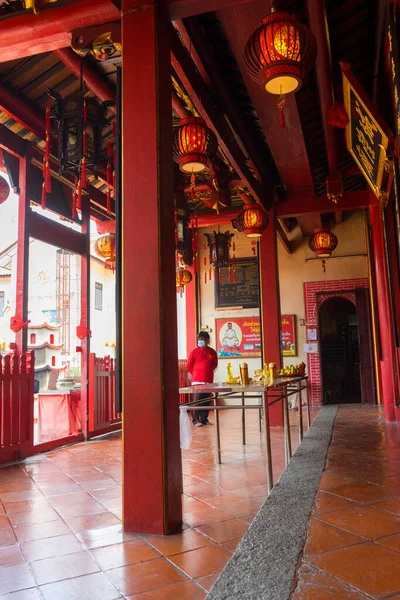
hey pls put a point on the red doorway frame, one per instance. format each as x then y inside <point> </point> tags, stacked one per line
<point>315,293</point>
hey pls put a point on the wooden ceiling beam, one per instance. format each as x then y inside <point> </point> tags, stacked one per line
<point>287,144</point>
<point>11,142</point>
<point>322,204</point>
<point>202,97</point>
<point>202,55</point>
<point>182,9</point>
<point>283,238</point>
<point>22,112</point>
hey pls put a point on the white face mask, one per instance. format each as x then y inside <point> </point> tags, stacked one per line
<point>201,343</point>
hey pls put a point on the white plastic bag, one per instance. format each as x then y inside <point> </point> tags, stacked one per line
<point>185,428</point>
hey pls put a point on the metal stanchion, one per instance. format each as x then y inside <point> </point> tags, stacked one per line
<point>243,421</point>
<point>268,454</point>
<point>217,434</point>
<point>308,404</point>
<point>301,429</point>
<point>286,423</point>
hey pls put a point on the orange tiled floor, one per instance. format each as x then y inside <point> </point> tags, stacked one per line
<point>353,544</point>
<point>60,529</point>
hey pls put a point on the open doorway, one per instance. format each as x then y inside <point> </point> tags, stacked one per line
<point>340,351</point>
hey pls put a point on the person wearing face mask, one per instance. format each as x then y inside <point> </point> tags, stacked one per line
<point>201,365</point>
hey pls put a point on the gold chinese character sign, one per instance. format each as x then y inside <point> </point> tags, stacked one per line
<point>368,139</point>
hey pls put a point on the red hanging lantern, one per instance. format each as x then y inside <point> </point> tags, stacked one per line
<point>279,54</point>
<point>4,190</point>
<point>104,247</point>
<point>323,242</point>
<point>252,220</point>
<point>183,277</point>
<point>194,145</point>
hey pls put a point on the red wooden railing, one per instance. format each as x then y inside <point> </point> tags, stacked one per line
<point>16,404</point>
<point>103,414</point>
<point>183,379</point>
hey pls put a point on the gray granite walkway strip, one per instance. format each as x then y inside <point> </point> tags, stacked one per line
<point>264,564</point>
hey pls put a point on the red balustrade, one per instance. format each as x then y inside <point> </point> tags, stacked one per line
<point>16,405</point>
<point>103,416</point>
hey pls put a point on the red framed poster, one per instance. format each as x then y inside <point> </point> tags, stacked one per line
<point>238,338</point>
<point>288,335</point>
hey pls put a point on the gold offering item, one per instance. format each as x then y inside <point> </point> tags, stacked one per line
<point>244,374</point>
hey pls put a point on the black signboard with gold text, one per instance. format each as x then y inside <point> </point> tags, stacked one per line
<point>367,136</point>
<point>245,292</point>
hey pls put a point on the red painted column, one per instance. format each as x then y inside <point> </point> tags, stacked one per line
<point>21,307</point>
<point>191,313</point>
<point>387,360</point>
<point>151,450</point>
<point>270,306</point>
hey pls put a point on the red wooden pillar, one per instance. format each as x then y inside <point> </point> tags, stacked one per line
<point>191,312</point>
<point>21,306</point>
<point>152,459</point>
<point>85,315</point>
<point>270,306</point>
<point>387,343</point>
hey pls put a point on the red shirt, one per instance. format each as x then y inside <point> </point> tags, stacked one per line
<point>201,364</point>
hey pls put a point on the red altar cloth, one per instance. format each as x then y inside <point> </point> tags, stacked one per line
<point>59,415</point>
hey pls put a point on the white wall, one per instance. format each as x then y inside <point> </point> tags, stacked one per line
<point>181,314</point>
<point>102,322</point>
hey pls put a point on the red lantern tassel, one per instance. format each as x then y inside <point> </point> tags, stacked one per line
<point>281,106</point>
<point>209,274</point>
<point>43,195</point>
<point>114,180</point>
<point>47,177</point>
<point>83,173</point>
<point>74,201</point>
<point>108,200</point>
<point>205,277</point>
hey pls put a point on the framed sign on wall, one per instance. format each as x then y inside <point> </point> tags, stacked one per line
<point>238,337</point>
<point>245,291</point>
<point>288,335</point>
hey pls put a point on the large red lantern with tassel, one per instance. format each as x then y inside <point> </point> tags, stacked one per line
<point>279,54</point>
<point>4,190</point>
<point>323,242</point>
<point>104,247</point>
<point>183,277</point>
<point>194,145</point>
<point>252,220</point>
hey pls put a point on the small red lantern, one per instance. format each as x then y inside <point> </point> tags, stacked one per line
<point>194,145</point>
<point>105,248</point>
<point>183,277</point>
<point>280,53</point>
<point>4,190</point>
<point>252,221</point>
<point>323,242</point>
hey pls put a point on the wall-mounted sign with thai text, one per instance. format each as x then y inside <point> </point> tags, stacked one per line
<point>238,337</point>
<point>368,138</point>
<point>288,335</point>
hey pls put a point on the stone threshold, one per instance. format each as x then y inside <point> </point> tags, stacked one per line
<point>264,564</point>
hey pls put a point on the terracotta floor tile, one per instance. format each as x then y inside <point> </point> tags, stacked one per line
<point>322,537</point>
<point>208,581</point>
<point>49,547</point>
<point>88,587</point>
<point>180,591</point>
<point>30,494</point>
<point>7,537</point>
<point>330,481</point>
<point>326,502</point>
<point>26,505</point>
<point>120,555</point>
<point>95,521</point>
<point>205,517</point>
<point>368,567</point>
<point>365,492</point>
<point>314,585</point>
<point>225,531</point>
<point>392,542</point>
<point>82,509</point>
<point>34,516</point>
<point>10,555</point>
<point>30,594</point>
<point>14,578</point>
<point>4,523</point>
<point>204,561</point>
<point>106,536</point>
<point>366,521</point>
<point>38,531</point>
<point>178,543</point>
<point>59,568</point>
<point>390,505</point>
<point>71,499</point>
<point>232,545</point>
<point>146,576</point>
